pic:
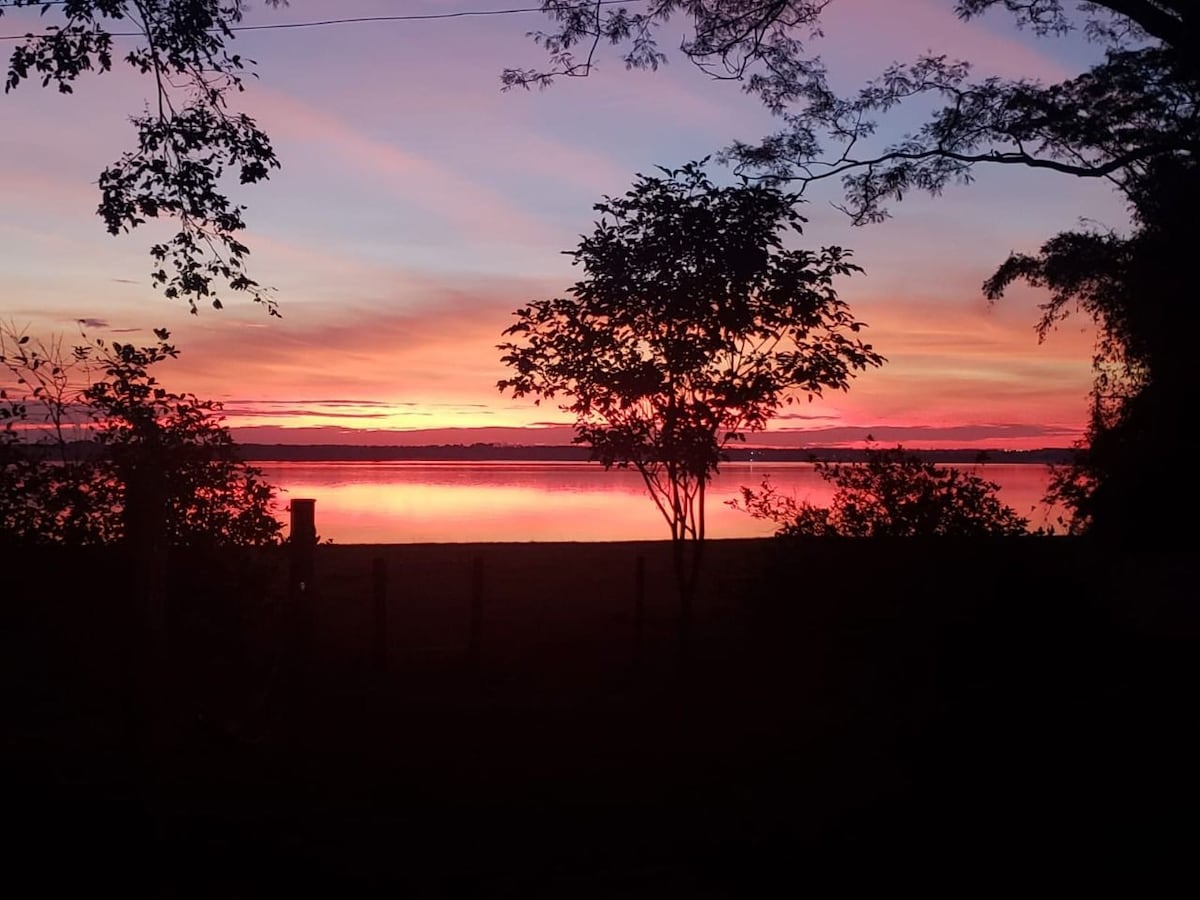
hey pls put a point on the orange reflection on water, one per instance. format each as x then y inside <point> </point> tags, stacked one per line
<point>412,502</point>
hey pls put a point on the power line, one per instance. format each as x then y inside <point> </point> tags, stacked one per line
<point>354,20</point>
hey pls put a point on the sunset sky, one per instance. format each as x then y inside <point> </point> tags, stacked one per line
<point>418,206</point>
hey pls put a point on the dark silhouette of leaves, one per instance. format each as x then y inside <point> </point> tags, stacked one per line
<point>1109,121</point>
<point>1130,118</point>
<point>188,142</point>
<point>1137,288</point>
<point>694,322</point>
<point>893,494</point>
<point>149,458</point>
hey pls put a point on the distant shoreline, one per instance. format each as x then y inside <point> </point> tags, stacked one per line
<point>479,452</point>
<point>537,453</point>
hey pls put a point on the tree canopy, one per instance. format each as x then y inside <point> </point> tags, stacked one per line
<point>187,139</point>
<point>1130,118</point>
<point>1109,121</point>
<point>694,322</point>
<point>95,450</point>
<point>1139,290</point>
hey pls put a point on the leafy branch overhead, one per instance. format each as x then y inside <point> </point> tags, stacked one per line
<point>1110,121</point>
<point>189,143</point>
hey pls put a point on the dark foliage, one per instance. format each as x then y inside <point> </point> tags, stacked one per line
<point>892,494</point>
<point>1130,118</point>
<point>1140,101</point>
<point>693,324</point>
<point>188,140</point>
<point>164,464</point>
<point>1140,293</point>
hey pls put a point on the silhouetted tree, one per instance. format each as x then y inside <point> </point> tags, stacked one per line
<point>161,467</point>
<point>49,491</point>
<point>892,494</point>
<point>1130,118</point>
<point>187,138</point>
<point>1140,292</point>
<point>692,324</point>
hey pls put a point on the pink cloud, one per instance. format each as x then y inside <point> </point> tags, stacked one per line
<point>867,35</point>
<point>951,363</point>
<point>440,190</point>
<point>439,349</point>
<point>434,362</point>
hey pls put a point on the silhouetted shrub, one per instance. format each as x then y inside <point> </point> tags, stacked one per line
<point>892,494</point>
<point>143,459</point>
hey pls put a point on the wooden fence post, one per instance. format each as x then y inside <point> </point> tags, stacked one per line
<point>301,586</point>
<point>379,614</point>
<point>639,609</point>
<point>303,544</point>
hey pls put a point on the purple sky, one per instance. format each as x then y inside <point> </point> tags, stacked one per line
<point>418,206</point>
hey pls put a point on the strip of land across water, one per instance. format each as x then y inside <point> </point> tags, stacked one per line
<point>488,452</point>
<point>549,453</point>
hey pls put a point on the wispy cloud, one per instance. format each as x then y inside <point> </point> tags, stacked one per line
<point>410,177</point>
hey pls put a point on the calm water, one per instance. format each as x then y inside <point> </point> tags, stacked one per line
<point>409,502</point>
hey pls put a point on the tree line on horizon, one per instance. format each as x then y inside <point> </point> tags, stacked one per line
<point>488,450</point>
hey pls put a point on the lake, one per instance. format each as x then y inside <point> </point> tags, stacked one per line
<point>464,502</point>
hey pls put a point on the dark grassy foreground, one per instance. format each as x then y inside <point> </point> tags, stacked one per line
<point>946,715</point>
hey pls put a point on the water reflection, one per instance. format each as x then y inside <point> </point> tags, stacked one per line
<point>409,502</point>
